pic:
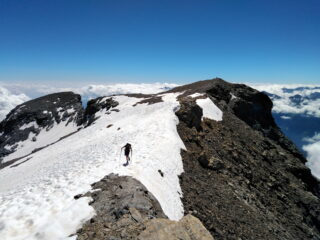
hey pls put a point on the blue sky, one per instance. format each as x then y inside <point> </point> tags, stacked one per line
<point>269,41</point>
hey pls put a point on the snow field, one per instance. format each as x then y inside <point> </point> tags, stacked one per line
<point>37,197</point>
<point>42,139</point>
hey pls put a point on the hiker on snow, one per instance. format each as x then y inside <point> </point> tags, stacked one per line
<point>127,149</point>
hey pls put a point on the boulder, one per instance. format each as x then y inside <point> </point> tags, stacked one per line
<point>188,228</point>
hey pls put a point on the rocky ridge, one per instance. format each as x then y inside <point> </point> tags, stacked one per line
<point>243,178</point>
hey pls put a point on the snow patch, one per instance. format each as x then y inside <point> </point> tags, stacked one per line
<point>233,96</point>
<point>70,110</point>
<point>36,200</point>
<point>28,125</point>
<point>210,110</point>
<point>194,95</point>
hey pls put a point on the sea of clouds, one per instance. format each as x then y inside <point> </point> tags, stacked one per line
<point>288,100</point>
<point>293,99</point>
<point>12,95</point>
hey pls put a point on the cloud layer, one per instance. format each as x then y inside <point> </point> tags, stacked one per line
<point>9,100</point>
<point>293,99</point>
<point>313,154</point>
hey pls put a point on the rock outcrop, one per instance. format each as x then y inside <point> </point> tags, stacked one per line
<point>37,114</point>
<point>243,178</point>
<point>125,209</point>
<point>188,228</point>
<point>96,105</point>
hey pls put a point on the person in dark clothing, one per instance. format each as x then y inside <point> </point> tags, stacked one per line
<point>127,150</point>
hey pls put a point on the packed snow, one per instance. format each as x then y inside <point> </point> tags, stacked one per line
<point>29,125</point>
<point>210,110</point>
<point>44,138</point>
<point>37,197</point>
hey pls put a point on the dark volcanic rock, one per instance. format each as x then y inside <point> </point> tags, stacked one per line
<point>242,178</point>
<point>37,114</point>
<point>122,205</point>
<point>95,105</point>
<point>123,193</point>
<point>126,210</point>
<point>191,114</point>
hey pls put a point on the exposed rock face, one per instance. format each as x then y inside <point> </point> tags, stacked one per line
<point>37,114</point>
<point>95,105</point>
<point>190,113</point>
<point>121,204</point>
<point>188,228</point>
<point>126,210</point>
<point>243,179</point>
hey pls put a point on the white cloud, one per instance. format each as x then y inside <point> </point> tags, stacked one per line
<point>283,104</point>
<point>313,156</point>
<point>315,138</point>
<point>285,117</point>
<point>9,100</point>
<point>104,90</point>
<point>36,90</point>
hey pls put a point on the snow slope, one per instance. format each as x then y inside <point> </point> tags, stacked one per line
<point>36,198</point>
<point>44,138</point>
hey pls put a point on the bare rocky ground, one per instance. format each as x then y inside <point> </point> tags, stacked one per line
<point>126,210</point>
<point>243,178</point>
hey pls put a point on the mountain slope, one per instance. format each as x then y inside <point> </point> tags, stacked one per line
<point>43,187</point>
<point>242,178</point>
<point>210,148</point>
<point>38,123</point>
